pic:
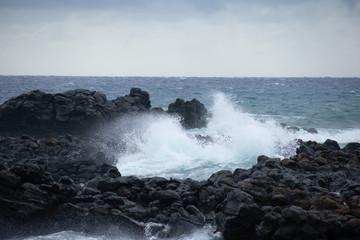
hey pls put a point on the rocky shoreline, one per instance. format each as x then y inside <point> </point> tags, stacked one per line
<point>56,176</point>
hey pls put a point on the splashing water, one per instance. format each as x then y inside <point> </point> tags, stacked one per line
<point>205,233</point>
<point>161,147</point>
<point>244,136</point>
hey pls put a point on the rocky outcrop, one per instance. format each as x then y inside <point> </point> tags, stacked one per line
<point>313,195</point>
<point>73,111</point>
<point>79,111</point>
<point>297,129</point>
<point>137,100</point>
<point>68,182</point>
<point>192,113</point>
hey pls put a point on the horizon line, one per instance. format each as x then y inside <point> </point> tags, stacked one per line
<point>154,76</point>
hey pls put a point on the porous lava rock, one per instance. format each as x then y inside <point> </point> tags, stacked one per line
<point>193,113</point>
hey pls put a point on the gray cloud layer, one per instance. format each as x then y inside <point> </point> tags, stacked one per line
<point>180,38</point>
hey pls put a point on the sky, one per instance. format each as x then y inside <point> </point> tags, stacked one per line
<point>203,38</point>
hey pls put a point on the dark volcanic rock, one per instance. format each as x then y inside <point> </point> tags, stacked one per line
<point>68,182</point>
<point>56,184</point>
<point>137,100</point>
<point>297,129</point>
<point>352,147</point>
<point>193,113</point>
<point>240,222</point>
<point>331,144</point>
<point>74,111</point>
<point>80,111</point>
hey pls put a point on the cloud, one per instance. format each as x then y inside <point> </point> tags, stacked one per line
<point>352,4</point>
<point>187,38</point>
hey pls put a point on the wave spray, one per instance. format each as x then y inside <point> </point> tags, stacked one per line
<point>157,145</point>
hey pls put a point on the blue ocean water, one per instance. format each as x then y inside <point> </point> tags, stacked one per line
<point>244,122</point>
<point>308,102</point>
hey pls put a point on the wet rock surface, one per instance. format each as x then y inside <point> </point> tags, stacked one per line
<point>49,185</point>
<point>77,111</point>
<point>70,112</point>
<point>192,113</point>
<point>297,129</point>
<point>69,182</point>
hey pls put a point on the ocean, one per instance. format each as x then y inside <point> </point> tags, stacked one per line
<point>245,121</point>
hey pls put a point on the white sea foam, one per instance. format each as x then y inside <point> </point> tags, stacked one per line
<point>205,233</point>
<point>342,136</point>
<point>70,235</point>
<point>159,146</point>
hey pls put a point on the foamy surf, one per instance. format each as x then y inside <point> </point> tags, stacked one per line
<point>158,146</point>
<point>205,233</point>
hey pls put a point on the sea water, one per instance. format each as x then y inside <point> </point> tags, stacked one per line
<point>205,233</point>
<point>331,103</point>
<point>245,116</point>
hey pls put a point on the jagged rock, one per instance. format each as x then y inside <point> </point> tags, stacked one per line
<point>311,130</point>
<point>296,129</point>
<point>352,147</point>
<point>77,111</point>
<point>62,183</point>
<point>9,179</point>
<point>306,147</point>
<point>109,184</point>
<point>192,113</point>
<point>241,224</point>
<point>273,199</point>
<point>204,140</point>
<point>137,100</point>
<point>74,111</point>
<point>293,129</point>
<point>331,144</point>
<point>294,214</point>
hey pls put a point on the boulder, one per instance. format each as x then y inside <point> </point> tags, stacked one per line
<point>9,179</point>
<point>137,100</point>
<point>241,224</point>
<point>331,144</point>
<point>193,113</point>
<point>352,147</point>
<point>306,147</point>
<point>311,130</point>
<point>297,129</point>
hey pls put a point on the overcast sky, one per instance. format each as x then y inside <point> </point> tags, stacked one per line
<point>236,38</point>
